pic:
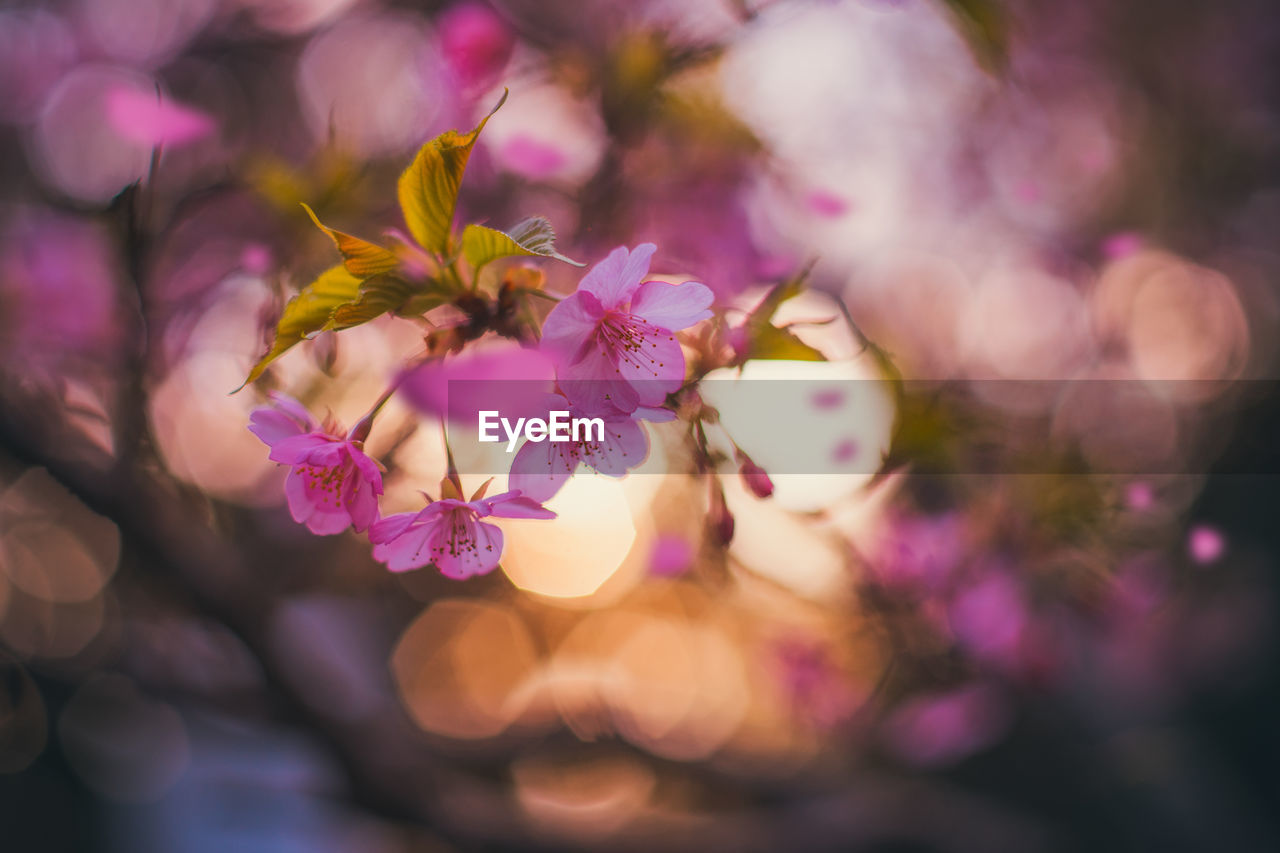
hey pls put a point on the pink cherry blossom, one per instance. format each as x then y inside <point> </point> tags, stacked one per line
<point>540,469</point>
<point>614,337</point>
<point>333,484</point>
<point>476,43</point>
<point>448,534</point>
<point>944,728</point>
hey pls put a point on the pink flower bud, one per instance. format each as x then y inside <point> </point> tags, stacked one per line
<point>754,477</point>
<point>719,519</point>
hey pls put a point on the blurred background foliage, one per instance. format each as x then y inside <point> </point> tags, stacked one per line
<point>944,656</point>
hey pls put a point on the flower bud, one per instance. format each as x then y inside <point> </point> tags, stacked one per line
<point>754,477</point>
<point>719,519</point>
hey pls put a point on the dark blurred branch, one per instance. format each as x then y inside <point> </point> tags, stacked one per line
<point>182,554</point>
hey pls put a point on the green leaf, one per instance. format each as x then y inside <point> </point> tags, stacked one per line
<point>378,295</point>
<point>362,258</point>
<point>531,237</point>
<point>984,24</point>
<point>767,341</point>
<point>307,313</point>
<point>770,342</point>
<point>428,189</point>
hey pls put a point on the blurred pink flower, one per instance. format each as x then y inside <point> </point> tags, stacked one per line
<point>943,728</point>
<point>540,469</point>
<point>614,338</point>
<point>1139,496</point>
<point>476,43</point>
<point>814,682</point>
<point>672,556</point>
<point>507,378</point>
<point>990,620</point>
<point>333,484</point>
<point>58,284</point>
<point>1206,544</point>
<point>919,553</point>
<point>150,120</point>
<point>532,158</point>
<point>448,534</point>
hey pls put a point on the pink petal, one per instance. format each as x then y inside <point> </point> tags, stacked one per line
<point>308,506</point>
<point>271,426</point>
<point>672,306</point>
<point>533,158</point>
<point>367,467</point>
<point>511,378</point>
<point>653,415</point>
<point>569,325</point>
<point>625,446</point>
<point>297,448</point>
<point>360,500</point>
<point>329,453</point>
<point>410,550</point>
<point>389,528</point>
<point>513,505</point>
<point>147,119</point>
<point>474,550</point>
<point>541,469</point>
<point>328,522</point>
<point>595,384</point>
<point>656,369</point>
<point>291,407</point>
<point>615,278</point>
<point>295,490</point>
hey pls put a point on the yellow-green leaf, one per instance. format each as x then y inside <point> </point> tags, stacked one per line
<point>772,343</point>
<point>531,237</point>
<point>361,257</point>
<point>378,295</point>
<point>428,189</point>
<point>767,341</point>
<point>985,27</point>
<point>308,312</point>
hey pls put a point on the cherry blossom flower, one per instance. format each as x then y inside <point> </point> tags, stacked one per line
<point>448,534</point>
<point>540,469</point>
<point>614,337</point>
<point>333,484</point>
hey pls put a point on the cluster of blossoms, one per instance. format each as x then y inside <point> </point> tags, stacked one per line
<point>616,356</point>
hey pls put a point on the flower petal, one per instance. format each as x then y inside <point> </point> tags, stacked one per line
<point>516,504</point>
<point>360,500</point>
<point>541,469</point>
<point>367,467</point>
<point>656,368</point>
<point>410,550</point>
<point>391,527</point>
<point>672,306</point>
<point>624,447</point>
<point>463,547</point>
<point>327,521</point>
<point>297,448</point>
<point>653,414</point>
<point>295,490</point>
<point>615,278</point>
<point>569,325</point>
<point>295,410</point>
<point>595,384</point>
<point>271,426</point>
